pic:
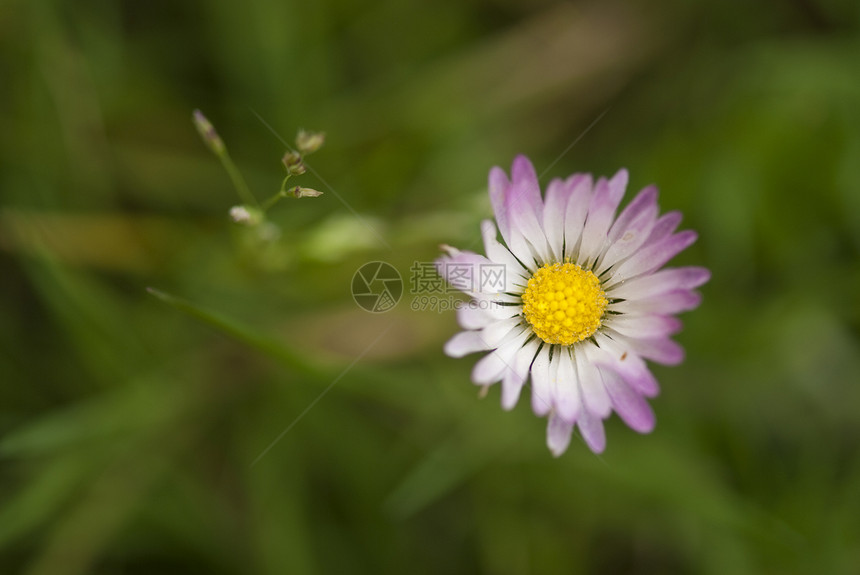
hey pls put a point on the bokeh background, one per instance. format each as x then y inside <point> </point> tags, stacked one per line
<point>139,434</point>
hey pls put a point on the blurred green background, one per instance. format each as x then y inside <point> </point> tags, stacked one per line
<point>132,430</point>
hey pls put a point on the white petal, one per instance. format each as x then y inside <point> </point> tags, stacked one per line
<point>566,396</point>
<point>528,242</point>
<point>464,343</point>
<point>594,395</point>
<point>515,378</point>
<point>495,333</point>
<point>498,298</point>
<point>491,367</point>
<point>521,249</point>
<point>494,308</point>
<point>558,433</point>
<point>541,385</point>
<point>497,253</point>
<point>553,375</point>
<point>469,316</point>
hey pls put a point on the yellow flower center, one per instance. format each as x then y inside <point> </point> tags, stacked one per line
<point>564,303</point>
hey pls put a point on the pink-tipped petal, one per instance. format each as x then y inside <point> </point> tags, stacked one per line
<point>665,225</point>
<point>629,405</point>
<point>653,256</point>
<point>667,303</point>
<point>512,385</point>
<point>645,203</point>
<point>661,350</point>
<point>601,212</point>
<point>460,268</point>
<point>499,185</point>
<point>525,187</point>
<point>522,211</point>
<point>594,395</point>
<point>581,192</point>
<point>659,282</point>
<point>619,183</point>
<point>623,360</point>
<point>637,375</point>
<point>644,326</point>
<point>558,432</point>
<point>591,428</point>
<point>629,240</point>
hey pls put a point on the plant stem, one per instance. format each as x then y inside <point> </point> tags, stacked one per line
<point>282,193</point>
<point>238,181</point>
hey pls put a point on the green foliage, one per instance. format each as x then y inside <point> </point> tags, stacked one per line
<point>176,398</point>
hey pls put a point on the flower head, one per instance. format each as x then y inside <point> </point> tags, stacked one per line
<point>300,192</point>
<point>207,132</point>
<point>309,142</point>
<point>246,215</point>
<point>582,301</point>
<point>294,164</point>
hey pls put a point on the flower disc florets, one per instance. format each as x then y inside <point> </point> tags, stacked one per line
<point>564,303</point>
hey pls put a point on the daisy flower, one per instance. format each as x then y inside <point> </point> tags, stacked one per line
<point>582,302</point>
